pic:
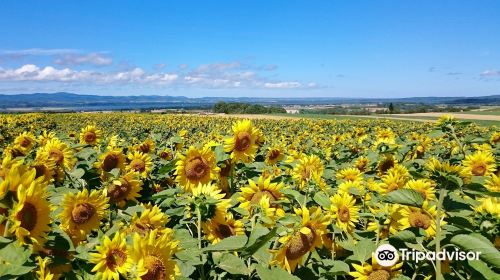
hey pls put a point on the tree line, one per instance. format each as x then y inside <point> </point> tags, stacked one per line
<point>245,108</point>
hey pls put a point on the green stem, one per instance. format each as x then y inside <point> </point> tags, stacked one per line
<point>442,193</point>
<point>198,212</point>
<point>6,230</point>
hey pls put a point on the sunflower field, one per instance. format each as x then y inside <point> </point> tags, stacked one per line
<point>158,196</point>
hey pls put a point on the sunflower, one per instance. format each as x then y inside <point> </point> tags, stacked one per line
<point>196,167</point>
<point>112,258</point>
<point>59,153</point>
<point>152,218</point>
<point>146,147</point>
<point>344,211</point>
<point>83,212</point>
<point>43,272</point>
<point>242,144</point>
<point>490,205</point>
<point>355,187</point>
<point>124,189</point>
<point>424,218</point>
<point>45,137</point>
<point>308,168</point>
<point>349,174</point>
<point>391,224</point>
<point>153,256</point>
<point>25,141</point>
<point>361,163</point>
<point>18,175</point>
<point>269,213</point>
<point>385,136</point>
<point>434,165</point>
<point>495,138</point>
<point>210,200</point>
<point>385,164</point>
<point>478,164</point>
<point>31,214</point>
<point>374,271</point>
<point>110,160</point>
<point>90,135</point>
<point>424,187</point>
<point>274,155</point>
<point>303,240</point>
<point>140,163</point>
<point>493,183</point>
<point>44,169</point>
<point>254,191</point>
<point>215,230</point>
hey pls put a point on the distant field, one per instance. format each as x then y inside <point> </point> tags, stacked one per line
<point>406,117</point>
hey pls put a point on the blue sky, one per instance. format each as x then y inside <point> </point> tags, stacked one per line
<point>251,48</point>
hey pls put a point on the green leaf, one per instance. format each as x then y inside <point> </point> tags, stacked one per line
<point>229,244</point>
<point>322,199</point>
<point>164,194</point>
<point>233,264</point>
<point>337,267</point>
<point>482,268</point>
<point>363,250</point>
<point>477,243</point>
<point>5,240</point>
<point>258,238</point>
<point>13,260</point>
<point>274,273</point>
<point>77,173</point>
<point>405,197</point>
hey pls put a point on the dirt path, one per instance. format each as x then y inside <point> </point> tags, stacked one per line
<point>457,115</point>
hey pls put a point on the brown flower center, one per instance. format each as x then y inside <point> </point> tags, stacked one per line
<point>196,168</point>
<point>385,165</point>
<point>89,137</point>
<point>344,214</point>
<point>274,154</point>
<point>40,170</point>
<point>82,213</point>
<point>57,155</point>
<point>166,155</point>
<point>155,267</point>
<point>259,195</point>
<point>138,165</point>
<point>225,231</point>
<point>145,148</point>
<point>379,275</point>
<point>118,192</point>
<point>479,169</point>
<point>27,216</point>
<point>115,258</point>
<point>110,161</point>
<point>26,142</point>
<point>243,141</point>
<point>420,220</point>
<point>299,245</point>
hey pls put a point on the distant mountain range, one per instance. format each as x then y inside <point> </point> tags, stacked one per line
<point>77,102</point>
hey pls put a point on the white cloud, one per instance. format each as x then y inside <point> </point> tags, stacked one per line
<point>97,59</point>
<point>490,73</point>
<point>208,76</point>
<point>285,85</point>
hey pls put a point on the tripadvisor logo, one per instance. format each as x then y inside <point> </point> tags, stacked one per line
<point>386,255</point>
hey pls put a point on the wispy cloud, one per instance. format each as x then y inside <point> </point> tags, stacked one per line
<point>37,52</point>
<point>490,73</point>
<point>65,57</point>
<point>454,73</point>
<point>97,59</point>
